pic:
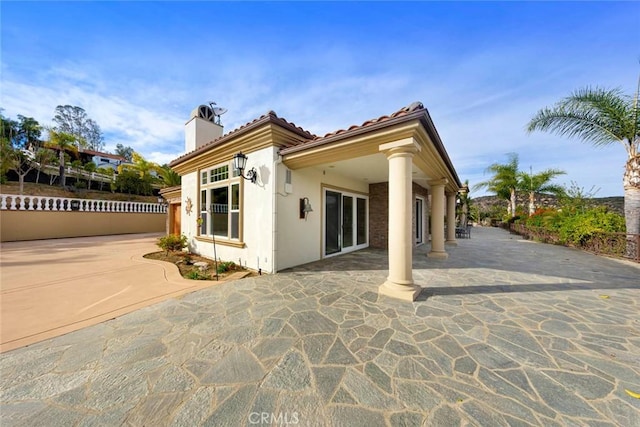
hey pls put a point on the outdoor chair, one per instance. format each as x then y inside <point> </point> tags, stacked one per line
<point>463,232</point>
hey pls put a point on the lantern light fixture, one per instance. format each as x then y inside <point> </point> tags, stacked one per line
<point>240,163</point>
<point>305,208</point>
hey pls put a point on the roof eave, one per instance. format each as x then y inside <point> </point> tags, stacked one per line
<point>351,133</point>
<point>270,117</point>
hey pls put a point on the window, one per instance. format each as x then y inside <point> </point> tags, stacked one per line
<point>220,212</point>
<point>235,211</point>
<point>219,174</point>
<point>203,212</point>
<point>220,203</point>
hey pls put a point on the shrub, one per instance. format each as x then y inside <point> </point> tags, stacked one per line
<point>197,275</point>
<point>172,242</point>
<point>542,217</point>
<point>226,266</point>
<point>577,228</point>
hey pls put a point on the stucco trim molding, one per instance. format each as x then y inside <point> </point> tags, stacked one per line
<point>233,244</point>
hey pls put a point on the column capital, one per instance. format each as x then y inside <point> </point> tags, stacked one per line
<point>402,146</point>
<point>435,182</point>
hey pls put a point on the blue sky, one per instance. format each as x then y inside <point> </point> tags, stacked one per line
<point>482,69</point>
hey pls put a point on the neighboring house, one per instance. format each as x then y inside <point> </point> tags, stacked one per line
<point>102,160</point>
<point>372,185</point>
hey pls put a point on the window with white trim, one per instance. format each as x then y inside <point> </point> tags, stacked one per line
<point>220,203</point>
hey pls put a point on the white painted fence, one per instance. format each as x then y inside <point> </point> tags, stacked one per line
<point>16,202</point>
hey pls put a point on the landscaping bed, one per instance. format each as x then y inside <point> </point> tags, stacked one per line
<point>186,263</point>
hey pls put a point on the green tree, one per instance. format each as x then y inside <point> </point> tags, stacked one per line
<point>130,181</point>
<point>90,168</point>
<point>504,181</point>
<point>62,142</point>
<point>105,171</point>
<point>168,176</point>
<point>140,165</point>
<point>602,117</point>
<point>77,167</point>
<point>20,162</point>
<point>126,152</point>
<point>8,128</point>
<point>6,159</point>
<point>539,184</point>
<point>74,120</point>
<point>43,157</point>
<point>465,203</point>
<point>29,133</point>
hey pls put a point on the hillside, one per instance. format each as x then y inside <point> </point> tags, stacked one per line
<point>33,189</point>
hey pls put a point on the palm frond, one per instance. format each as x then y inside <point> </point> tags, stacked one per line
<point>596,115</point>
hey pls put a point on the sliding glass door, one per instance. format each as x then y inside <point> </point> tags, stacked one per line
<point>332,224</point>
<point>345,222</point>
<point>419,220</point>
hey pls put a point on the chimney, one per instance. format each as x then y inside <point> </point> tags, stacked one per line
<point>201,128</point>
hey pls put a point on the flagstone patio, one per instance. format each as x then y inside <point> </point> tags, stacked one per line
<point>506,332</point>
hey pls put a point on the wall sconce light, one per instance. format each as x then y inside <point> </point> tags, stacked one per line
<point>239,163</point>
<point>305,208</point>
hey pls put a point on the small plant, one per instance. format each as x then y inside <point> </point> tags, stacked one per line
<point>226,266</point>
<point>172,242</point>
<point>197,275</point>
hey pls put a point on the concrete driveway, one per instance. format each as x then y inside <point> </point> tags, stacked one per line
<point>51,287</point>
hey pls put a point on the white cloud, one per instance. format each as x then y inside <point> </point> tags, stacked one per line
<point>480,99</point>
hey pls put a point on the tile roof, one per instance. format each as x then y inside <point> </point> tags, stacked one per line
<point>101,154</point>
<point>311,139</point>
<point>414,109</point>
<point>270,116</point>
<point>402,112</point>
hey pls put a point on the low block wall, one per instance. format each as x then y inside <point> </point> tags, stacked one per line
<point>42,217</point>
<point>34,225</point>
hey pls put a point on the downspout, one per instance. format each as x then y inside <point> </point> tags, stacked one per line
<point>274,219</point>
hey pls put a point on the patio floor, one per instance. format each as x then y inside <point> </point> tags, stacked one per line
<point>506,332</point>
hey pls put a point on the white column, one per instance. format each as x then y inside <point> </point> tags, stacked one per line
<point>451,219</point>
<point>399,283</point>
<point>437,219</point>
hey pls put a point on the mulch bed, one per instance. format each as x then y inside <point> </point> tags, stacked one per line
<point>185,262</point>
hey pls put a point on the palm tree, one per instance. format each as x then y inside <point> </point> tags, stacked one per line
<point>539,183</point>
<point>169,177</point>
<point>465,201</point>
<point>62,142</point>
<point>602,117</point>
<point>143,166</point>
<point>504,181</point>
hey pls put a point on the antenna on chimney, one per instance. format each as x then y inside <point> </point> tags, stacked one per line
<point>217,112</point>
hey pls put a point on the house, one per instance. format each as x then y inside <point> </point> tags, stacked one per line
<point>386,183</point>
<point>102,160</point>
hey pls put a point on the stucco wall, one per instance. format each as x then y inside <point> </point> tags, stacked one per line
<point>300,240</point>
<point>256,216</point>
<point>36,225</point>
